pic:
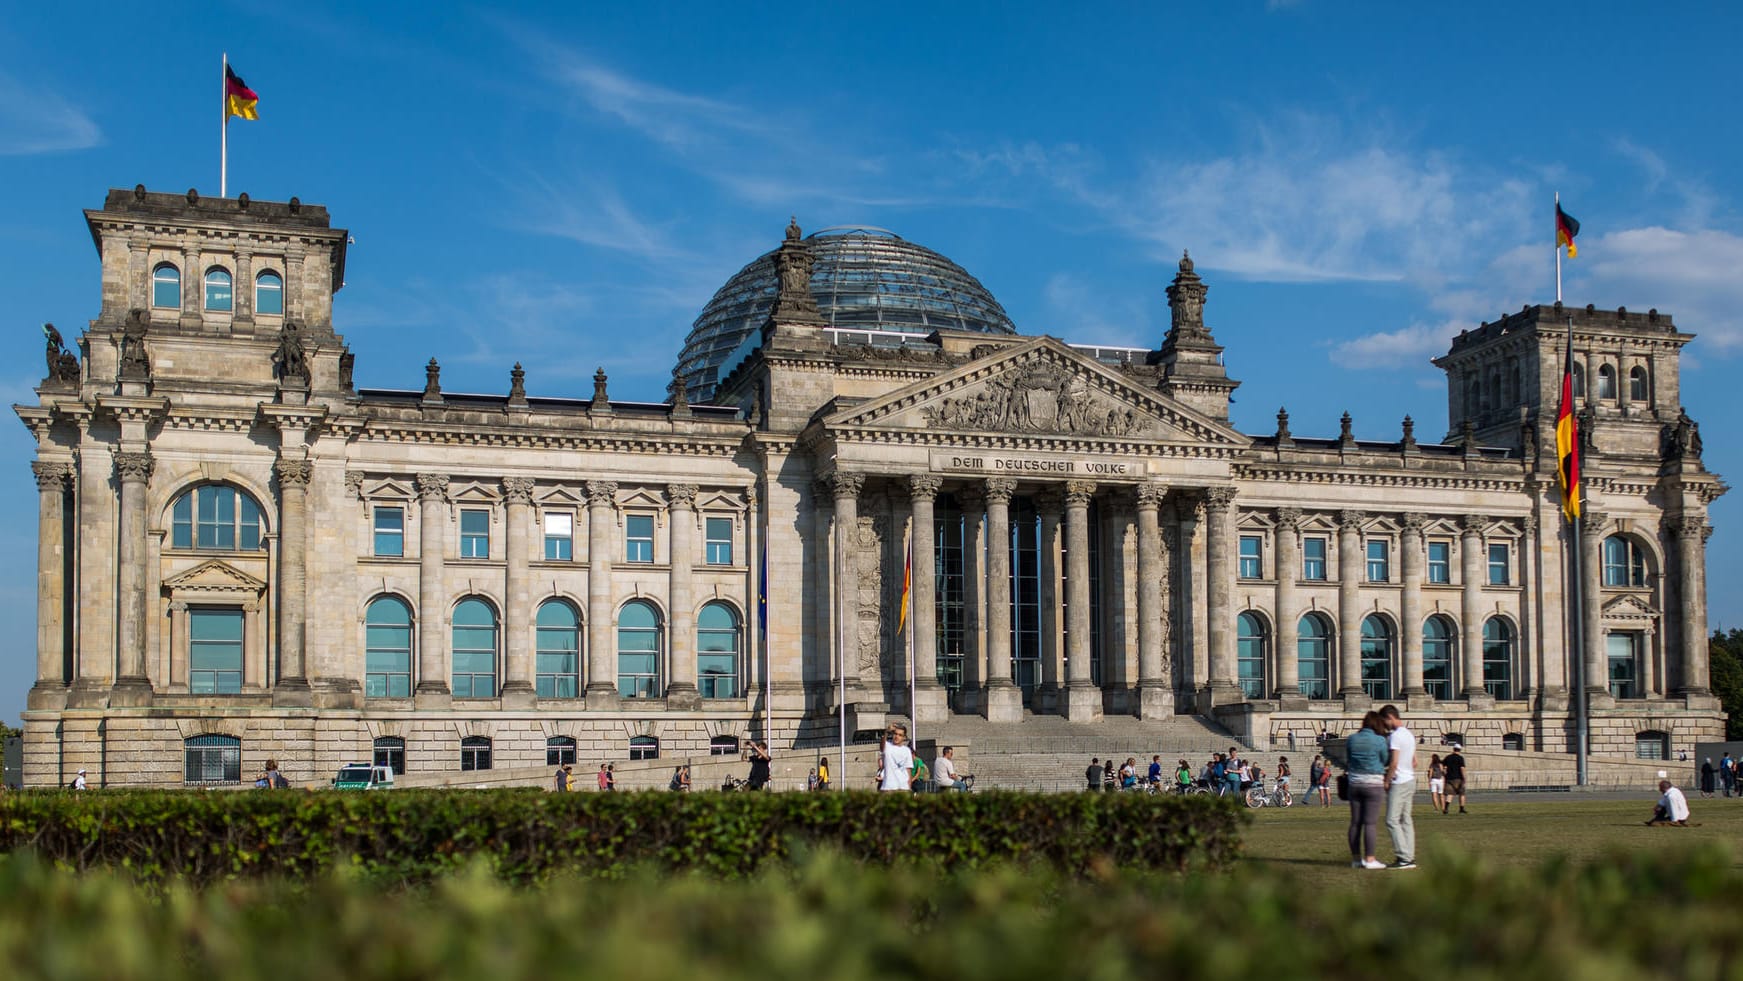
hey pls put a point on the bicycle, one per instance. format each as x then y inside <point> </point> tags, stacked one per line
<point>1278,796</point>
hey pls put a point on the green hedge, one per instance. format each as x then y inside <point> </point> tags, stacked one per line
<point>409,835</point>
<point>1633,917</point>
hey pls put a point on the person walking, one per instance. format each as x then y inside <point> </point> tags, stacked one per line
<point>1727,773</point>
<point>1400,789</point>
<point>611,776</point>
<point>560,781</point>
<point>1436,783</point>
<point>1319,781</point>
<point>1092,774</point>
<point>1368,756</point>
<point>1456,774</point>
<point>1707,777</point>
<point>898,759</point>
<point>79,781</point>
<point>604,776</point>
<point>822,773</point>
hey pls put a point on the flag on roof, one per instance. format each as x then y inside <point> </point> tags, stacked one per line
<point>1566,227</point>
<point>240,100</point>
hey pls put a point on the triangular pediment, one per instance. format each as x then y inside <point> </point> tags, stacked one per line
<point>1041,388</point>
<point>1629,607</point>
<point>215,576</point>
<point>560,496</point>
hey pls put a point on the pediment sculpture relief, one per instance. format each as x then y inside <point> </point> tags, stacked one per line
<point>1038,398</point>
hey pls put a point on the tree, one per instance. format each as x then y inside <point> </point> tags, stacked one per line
<point>7,732</point>
<point>1726,667</point>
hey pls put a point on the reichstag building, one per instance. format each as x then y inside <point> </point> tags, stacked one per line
<point>243,555</point>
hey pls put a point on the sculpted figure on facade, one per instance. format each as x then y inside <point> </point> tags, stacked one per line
<point>290,360</point>
<point>135,366</point>
<point>1037,398</point>
<point>63,366</point>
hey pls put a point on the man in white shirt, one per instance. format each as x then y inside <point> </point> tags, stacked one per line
<point>944,770</point>
<point>79,780</point>
<point>898,765</point>
<point>1400,789</point>
<point>1673,807</point>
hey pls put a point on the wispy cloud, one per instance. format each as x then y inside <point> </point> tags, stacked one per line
<point>36,119</point>
<point>588,211</point>
<point>1082,313</point>
<point>1692,275</point>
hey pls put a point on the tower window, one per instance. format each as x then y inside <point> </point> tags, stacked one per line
<point>218,295</point>
<point>269,294</point>
<point>166,287</point>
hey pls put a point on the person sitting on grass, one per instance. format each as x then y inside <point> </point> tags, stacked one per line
<point>1672,809</point>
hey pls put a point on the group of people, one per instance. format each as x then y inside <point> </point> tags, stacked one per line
<point>1724,776</point>
<point>901,769</point>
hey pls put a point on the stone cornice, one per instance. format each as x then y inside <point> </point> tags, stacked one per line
<point>1421,479</point>
<point>552,439</point>
<point>1022,442</point>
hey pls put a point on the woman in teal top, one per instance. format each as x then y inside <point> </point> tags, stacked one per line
<point>1368,755</point>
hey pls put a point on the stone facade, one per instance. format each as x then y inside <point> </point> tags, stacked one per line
<point>235,542</point>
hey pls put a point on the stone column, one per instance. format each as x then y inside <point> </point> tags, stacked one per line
<point>1410,630</point>
<point>1692,670</point>
<point>52,481</point>
<point>1597,661</point>
<point>1195,671</point>
<point>242,290</point>
<point>95,530</point>
<point>1155,695</point>
<point>132,686</point>
<point>972,500</point>
<point>846,486</point>
<point>682,692</point>
<point>930,704</point>
<point>1219,591</point>
<point>1287,549</point>
<point>1004,701</point>
<point>601,651</point>
<point>518,690</point>
<point>292,685</point>
<point>1350,571</point>
<point>1082,697</point>
<point>433,675</point>
<point>1473,560</point>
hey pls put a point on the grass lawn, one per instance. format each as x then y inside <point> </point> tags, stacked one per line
<point>1310,843</point>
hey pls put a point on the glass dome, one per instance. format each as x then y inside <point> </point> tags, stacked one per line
<point>863,278</point>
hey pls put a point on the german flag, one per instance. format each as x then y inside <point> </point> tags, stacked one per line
<point>1566,227</point>
<point>907,584</point>
<point>240,100</point>
<point>1567,435</point>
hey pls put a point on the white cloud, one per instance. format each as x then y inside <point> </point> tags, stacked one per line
<point>1083,314</point>
<point>1696,276</point>
<point>38,120</point>
<point>1407,347</point>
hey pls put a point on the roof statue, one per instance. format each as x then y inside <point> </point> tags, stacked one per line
<point>63,366</point>
<point>793,300</point>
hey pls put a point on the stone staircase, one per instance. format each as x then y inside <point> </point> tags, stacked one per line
<point>1050,752</point>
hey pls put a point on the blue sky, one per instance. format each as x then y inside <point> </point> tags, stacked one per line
<point>567,186</point>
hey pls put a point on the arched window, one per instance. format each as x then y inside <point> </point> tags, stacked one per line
<point>218,298</point>
<point>559,650</point>
<point>723,746</point>
<point>1313,656</point>
<point>644,748</point>
<point>1606,382</point>
<point>638,650</point>
<point>1250,644</point>
<point>166,287</point>
<point>1579,374</point>
<point>1624,562</point>
<point>1513,741</point>
<point>390,752</point>
<point>212,759</point>
<point>269,294</point>
<point>560,750</point>
<point>475,753</point>
<point>1637,384</point>
<point>1498,658</point>
<point>215,516</point>
<point>1437,656</point>
<point>1377,657</point>
<point>717,651</point>
<point>474,649</point>
<point>1652,745</point>
<point>387,649</point>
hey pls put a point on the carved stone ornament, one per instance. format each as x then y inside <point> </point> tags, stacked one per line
<point>1218,500</point>
<point>682,495</point>
<point>354,483</point>
<point>1186,301</point>
<point>1688,527</point>
<point>135,365</point>
<point>63,367</point>
<point>846,483</point>
<point>52,477</point>
<point>924,486</point>
<point>1078,493</point>
<point>432,487</point>
<point>517,384</point>
<point>600,399</point>
<point>1039,397</point>
<point>1474,525</point>
<point>432,380</point>
<point>517,490</point>
<point>794,302</point>
<point>1149,495</point>
<point>347,363</point>
<point>1284,437</point>
<point>1409,433</point>
<point>1000,489</point>
<point>601,493</point>
<point>1289,518</point>
<point>1592,521</point>
<point>680,395</point>
<point>1412,523</point>
<point>1351,520</point>
<point>293,473</point>
<point>290,360</point>
<point>1682,439</point>
<point>134,467</point>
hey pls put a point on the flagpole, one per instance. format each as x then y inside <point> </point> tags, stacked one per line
<point>224,127</point>
<point>907,587</point>
<point>1570,323</point>
<point>1576,608</point>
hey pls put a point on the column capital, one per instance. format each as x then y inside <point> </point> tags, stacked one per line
<point>432,487</point>
<point>681,496</point>
<point>293,473</point>
<point>517,490</point>
<point>1149,494</point>
<point>1349,520</point>
<point>354,483</point>
<point>846,483</point>
<point>1592,521</point>
<point>51,476</point>
<point>924,486</point>
<point>1474,525</point>
<point>1078,493</point>
<point>1218,500</point>
<point>1000,489</point>
<point>1412,522</point>
<point>1529,522</point>
<point>601,493</point>
<point>1687,527</point>
<point>133,467</point>
<point>1290,518</point>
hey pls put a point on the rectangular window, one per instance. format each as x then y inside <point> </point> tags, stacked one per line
<point>390,752</point>
<point>474,534</point>
<point>1252,565</point>
<point>214,652</point>
<point>559,537</point>
<point>1379,560</point>
<point>1313,559</point>
<point>1624,650</point>
<point>718,538</point>
<point>1440,562</point>
<point>638,538</point>
<point>390,531</point>
<point>1499,565</point>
